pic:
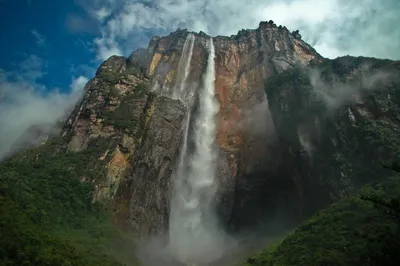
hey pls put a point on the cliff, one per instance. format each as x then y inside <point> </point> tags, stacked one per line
<point>142,132</point>
<point>127,102</point>
<point>243,62</point>
<point>295,131</point>
<point>339,124</point>
<point>270,157</point>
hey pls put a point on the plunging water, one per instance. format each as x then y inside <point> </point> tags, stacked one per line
<point>179,91</point>
<point>193,232</point>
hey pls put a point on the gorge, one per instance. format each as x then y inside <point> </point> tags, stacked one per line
<point>202,140</point>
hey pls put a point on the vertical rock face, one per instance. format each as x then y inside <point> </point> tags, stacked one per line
<point>243,63</point>
<point>338,124</point>
<point>152,167</point>
<point>113,109</point>
<point>140,134</point>
<point>124,106</point>
<point>279,150</point>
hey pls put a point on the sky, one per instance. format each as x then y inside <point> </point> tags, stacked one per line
<point>49,49</point>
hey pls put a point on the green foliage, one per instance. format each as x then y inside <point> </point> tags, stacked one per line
<point>346,153</point>
<point>123,116</point>
<point>110,77</point>
<point>140,90</point>
<point>264,256</point>
<point>381,133</point>
<point>114,92</point>
<point>293,100</point>
<point>133,70</point>
<point>47,214</point>
<point>353,231</point>
<point>343,66</point>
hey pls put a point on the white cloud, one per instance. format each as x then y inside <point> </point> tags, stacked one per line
<point>333,27</point>
<point>337,93</point>
<point>40,40</point>
<point>24,102</point>
<point>106,48</point>
<point>78,84</point>
<point>101,14</point>
<point>83,69</point>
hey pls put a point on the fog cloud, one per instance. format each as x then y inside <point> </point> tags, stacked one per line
<point>335,94</point>
<point>24,102</point>
<point>333,27</point>
<point>257,121</point>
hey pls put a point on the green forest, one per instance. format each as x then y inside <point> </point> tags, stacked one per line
<point>47,214</point>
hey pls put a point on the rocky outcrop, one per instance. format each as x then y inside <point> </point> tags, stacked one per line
<point>281,153</point>
<point>140,133</point>
<point>337,124</point>
<point>143,130</point>
<point>111,109</point>
<point>243,63</point>
<point>152,167</point>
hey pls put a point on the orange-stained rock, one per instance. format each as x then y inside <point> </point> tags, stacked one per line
<point>242,63</point>
<point>141,155</point>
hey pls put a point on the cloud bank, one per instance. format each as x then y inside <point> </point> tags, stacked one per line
<point>24,102</point>
<point>333,27</point>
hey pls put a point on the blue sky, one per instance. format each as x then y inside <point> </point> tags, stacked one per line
<point>39,28</point>
<point>71,38</point>
<point>50,48</point>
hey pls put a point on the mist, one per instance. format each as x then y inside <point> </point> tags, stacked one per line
<point>256,120</point>
<point>24,103</point>
<point>337,93</point>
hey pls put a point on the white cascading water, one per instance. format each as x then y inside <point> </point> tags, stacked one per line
<point>193,230</point>
<point>179,91</point>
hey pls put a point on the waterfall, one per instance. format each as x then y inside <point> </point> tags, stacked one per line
<point>193,234</point>
<point>179,91</point>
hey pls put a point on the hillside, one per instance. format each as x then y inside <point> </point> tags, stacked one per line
<point>48,216</point>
